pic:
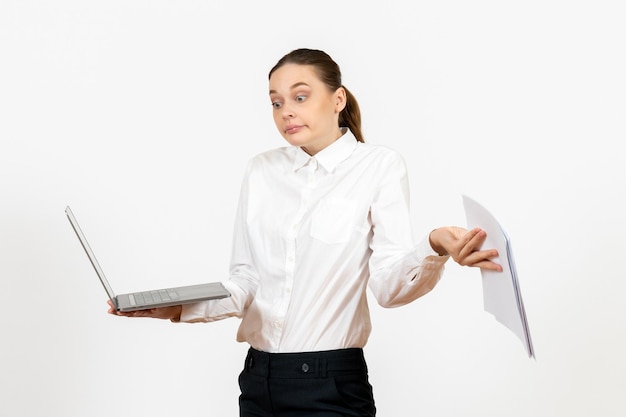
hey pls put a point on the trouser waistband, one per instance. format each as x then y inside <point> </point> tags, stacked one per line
<point>307,364</point>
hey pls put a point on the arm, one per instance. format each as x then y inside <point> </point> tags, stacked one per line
<point>400,270</point>
<point>243,280</point>
<point>242,283</point>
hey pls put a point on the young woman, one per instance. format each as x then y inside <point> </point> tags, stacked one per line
<point>318,223</point>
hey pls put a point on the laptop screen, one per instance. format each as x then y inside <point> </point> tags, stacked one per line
<point>90,254</point>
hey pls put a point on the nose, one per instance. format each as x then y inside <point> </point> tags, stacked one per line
<point>288,112</point>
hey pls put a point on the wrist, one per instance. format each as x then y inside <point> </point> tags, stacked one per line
<point>434,243</point>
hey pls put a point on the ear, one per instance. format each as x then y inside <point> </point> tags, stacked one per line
<point>341,99</point>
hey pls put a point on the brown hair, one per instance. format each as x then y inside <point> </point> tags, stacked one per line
<point>329,73</point>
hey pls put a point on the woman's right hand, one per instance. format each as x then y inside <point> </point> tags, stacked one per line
<point>167,313</point>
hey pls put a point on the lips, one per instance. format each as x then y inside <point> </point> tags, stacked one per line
<point>291,129</point>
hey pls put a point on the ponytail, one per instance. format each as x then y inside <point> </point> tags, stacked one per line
<point>350,116</point>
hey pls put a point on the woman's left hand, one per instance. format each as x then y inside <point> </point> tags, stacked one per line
<point>464,247</point>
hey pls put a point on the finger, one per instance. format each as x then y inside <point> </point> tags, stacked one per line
<point>112,309</point>
<point>482,255</point>
<point>471,234</point>
<point>470,242</point>
<point>483,260</point>
<point>476,239</point>
<point>474,257</point>
<point>489,265</point>
<point>473,248</point>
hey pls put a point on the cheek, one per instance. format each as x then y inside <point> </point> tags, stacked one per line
<point>325,114</point>
<point>278,121</point>
<point>277,118</point>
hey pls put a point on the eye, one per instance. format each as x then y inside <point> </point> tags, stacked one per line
<point>277,104</point>
<point>300,98</point>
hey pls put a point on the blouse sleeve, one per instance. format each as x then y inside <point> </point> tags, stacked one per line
<point>400,270</point>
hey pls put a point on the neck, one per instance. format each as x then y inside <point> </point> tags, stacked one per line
<point>312,151</point>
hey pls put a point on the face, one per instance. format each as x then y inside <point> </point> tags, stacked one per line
<point>306,111</point>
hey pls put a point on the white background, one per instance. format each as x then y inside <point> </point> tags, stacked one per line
<point>141,115</point>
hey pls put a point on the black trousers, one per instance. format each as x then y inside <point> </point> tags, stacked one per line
<point>313,384</point>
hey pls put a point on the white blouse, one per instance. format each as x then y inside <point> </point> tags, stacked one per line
<point>311,234</point>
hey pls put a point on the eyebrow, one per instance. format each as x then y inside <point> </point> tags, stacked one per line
<point>298,84</point>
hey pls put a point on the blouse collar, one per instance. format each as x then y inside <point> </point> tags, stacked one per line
<point>330,156</point>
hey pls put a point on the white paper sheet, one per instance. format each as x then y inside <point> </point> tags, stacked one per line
<point>502,296</point>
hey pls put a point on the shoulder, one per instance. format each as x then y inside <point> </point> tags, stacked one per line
<point>380,155</point>
<point>276,156</point>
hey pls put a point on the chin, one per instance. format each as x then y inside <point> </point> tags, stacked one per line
<point>294,140</point>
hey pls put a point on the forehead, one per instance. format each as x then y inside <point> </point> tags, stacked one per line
<point>290,75</point>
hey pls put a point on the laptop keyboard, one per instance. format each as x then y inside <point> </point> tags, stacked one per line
<point>149,297</point>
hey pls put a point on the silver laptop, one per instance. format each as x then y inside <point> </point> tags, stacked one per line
<point>153,298</point>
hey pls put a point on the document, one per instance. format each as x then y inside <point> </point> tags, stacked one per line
<point>502,296</point>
